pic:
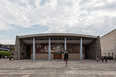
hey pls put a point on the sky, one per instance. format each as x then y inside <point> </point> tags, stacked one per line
<point>24,17</point>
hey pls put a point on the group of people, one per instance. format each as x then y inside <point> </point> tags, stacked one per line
<point>103,59</point>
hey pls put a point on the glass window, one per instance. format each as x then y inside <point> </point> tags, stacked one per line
<point>112,54</point>
<point>108,54</point>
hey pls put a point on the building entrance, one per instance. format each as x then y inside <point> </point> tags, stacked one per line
<point>57,56</point>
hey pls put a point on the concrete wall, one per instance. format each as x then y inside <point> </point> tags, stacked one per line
<point>40,56</point>
<point>108,44</point>
<point>74,56</point>
<point>23,50</point>
<point>45,56</point>
<point>20,49</point>
<point>16,48</point>
<point>93,50</point>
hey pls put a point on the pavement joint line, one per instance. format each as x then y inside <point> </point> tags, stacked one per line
<point>26,75</point>
<point>58,74</point>
<point>111,72</point>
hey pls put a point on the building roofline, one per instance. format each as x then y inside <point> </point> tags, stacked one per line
<point>57,34</point>
<point>108,33</point>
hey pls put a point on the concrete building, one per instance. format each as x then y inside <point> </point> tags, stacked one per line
<point>108,44</point>
<point>52,46</point>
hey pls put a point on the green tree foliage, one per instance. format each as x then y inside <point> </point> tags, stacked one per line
<point>5,53</point>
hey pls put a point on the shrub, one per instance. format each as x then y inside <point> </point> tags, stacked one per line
<point>10,56</point>
<point>5,53</point>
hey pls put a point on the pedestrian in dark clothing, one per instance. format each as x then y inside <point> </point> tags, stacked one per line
<point>66,57</point>
<point>102,59</point>
<point>106,59</point>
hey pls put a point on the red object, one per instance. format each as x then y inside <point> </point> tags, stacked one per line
<point>66,60</point>
<point>9,58</point>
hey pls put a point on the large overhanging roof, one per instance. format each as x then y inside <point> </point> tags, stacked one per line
<point>58,34</point>
<point>57,38</point>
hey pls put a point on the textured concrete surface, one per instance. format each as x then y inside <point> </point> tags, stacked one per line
<point>22,44</point>
<point>56,68</point>
<point>93,50</point>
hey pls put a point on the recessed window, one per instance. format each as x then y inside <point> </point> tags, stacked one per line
<point>112,54</point>
<point>22,54</point>
<point>105,53</point>
<point>108,54</point>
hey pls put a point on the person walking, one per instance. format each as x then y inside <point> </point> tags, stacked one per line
<point>102,59</point>
<point>66,58</point>
<point>106,59</point>
<point>97,59</point>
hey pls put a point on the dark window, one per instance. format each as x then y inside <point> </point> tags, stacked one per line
<point>22,53</point>
<point>112,54</point>
<point>108,54</point>
<point>105,53</point>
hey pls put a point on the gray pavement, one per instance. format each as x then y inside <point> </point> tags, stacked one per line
<point>56,68</point>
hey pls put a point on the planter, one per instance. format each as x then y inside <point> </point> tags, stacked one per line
<point>9,58</point>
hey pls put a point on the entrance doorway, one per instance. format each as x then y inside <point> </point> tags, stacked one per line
<point>57,56</point>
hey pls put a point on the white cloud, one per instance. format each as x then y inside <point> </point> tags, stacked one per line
<point>5,40</point>
<point>59,15</point>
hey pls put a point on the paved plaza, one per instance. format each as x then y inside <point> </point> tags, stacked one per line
<point>56,68</point>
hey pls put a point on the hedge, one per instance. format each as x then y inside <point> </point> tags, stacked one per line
<point>5,53</point>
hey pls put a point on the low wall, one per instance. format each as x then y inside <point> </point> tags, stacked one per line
<point>74,56</point>
<point>45,56</point>
<point>40,56</point>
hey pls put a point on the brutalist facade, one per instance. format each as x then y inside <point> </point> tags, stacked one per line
<point>53,45</point>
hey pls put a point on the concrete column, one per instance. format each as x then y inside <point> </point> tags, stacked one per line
<point>33,48</point>
<point>18,48</point>
<point>81,49</point>
<point>65,44</point>
<point>49,53</point>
